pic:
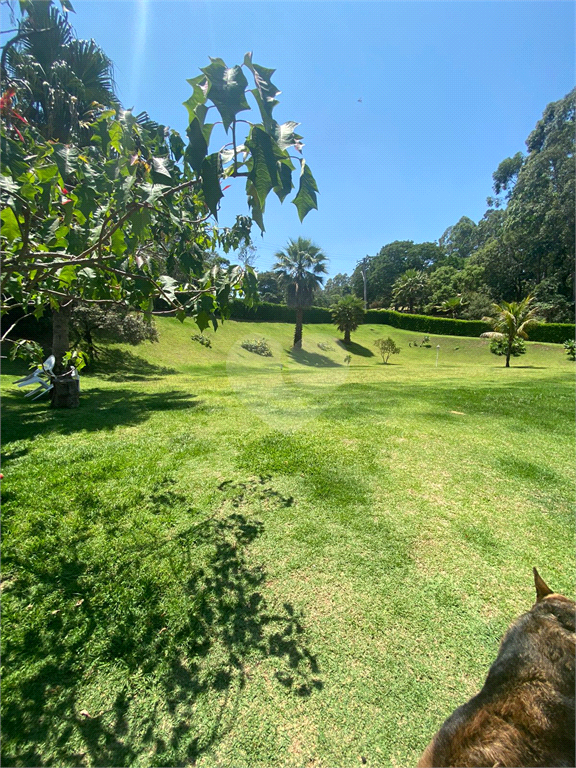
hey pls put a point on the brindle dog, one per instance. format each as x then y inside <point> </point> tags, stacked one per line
<point>524,714</point>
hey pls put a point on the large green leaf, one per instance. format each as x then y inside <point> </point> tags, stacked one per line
<point>176,145</point>
<point>197,148</point>
<point>285,178</point>
<point>305,200</point>
<point>226,90</point>
<point>265,91</point>
<point>10,228</point>
<point>265,155</point>
<point>118,243</point>
<point>67,275</point>
<point>169,286</point>
<point>255,208</point>
<point>160,171</point>
<point>115,134</point>
<point>46,172</point>
<point>200,87</point>
<point>210,172</point>
<point>284,134</point>
<point>66,157</point>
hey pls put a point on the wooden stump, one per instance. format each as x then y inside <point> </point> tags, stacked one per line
<point>66,393</point>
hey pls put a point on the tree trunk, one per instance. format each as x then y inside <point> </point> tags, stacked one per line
<point>346,336</point>
<point>508,353</point>
<point>66,391</point>
<point>60,335</point>
<point>298,330</point>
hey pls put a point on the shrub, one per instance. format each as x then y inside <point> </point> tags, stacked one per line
<point>258,346</point>
<point>201,339</point>
<point>570,347</point>
<point>499,347</point>
<point>386,348</point>
<point>325,347</point>
<point>93,323</point>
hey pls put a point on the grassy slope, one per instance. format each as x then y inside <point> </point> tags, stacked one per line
<point>230,559</point>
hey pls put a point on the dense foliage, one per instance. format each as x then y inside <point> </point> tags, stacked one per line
<point>106,209</point>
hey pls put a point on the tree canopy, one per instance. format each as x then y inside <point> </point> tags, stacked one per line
<point>102,214</point>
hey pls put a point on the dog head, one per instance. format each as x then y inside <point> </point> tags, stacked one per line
<point>551,602</point>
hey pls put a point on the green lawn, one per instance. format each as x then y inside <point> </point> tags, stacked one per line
<point>226,559</point>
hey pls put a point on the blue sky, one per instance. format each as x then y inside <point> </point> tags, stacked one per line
<point>406,108</point>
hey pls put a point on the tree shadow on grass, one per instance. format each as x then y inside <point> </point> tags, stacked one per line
<point>188,666</point>
<point>313,359</point>
<point>121,365</point>
<point>511,402</point>
<point>356,349</point>
<point>100,409</point>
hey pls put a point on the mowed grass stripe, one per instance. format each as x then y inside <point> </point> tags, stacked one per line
<point>227,559</point>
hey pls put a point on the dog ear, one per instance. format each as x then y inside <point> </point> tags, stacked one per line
<point>542,589</point>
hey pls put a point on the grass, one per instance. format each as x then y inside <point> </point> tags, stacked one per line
<point>222,558</point>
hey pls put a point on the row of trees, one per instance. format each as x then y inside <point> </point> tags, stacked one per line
<point>102,207</point>
<point>523,245</point>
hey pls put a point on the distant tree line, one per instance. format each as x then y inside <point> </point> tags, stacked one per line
<point>523,245</point>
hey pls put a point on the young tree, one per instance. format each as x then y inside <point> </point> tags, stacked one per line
<point>387,347</point>
<point>511,320</point>
<point>300,268</point>
<point>97,222</point>
<point>347,314</point>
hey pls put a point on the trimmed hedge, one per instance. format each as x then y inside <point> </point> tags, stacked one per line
<point>443,326</point>
<point>552,333</point>
<point>549,333</point>
<point>277,313</point>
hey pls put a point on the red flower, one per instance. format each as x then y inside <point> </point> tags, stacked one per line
<point>7,111</point>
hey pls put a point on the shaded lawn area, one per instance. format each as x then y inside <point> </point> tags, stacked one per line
<point>202,565</point>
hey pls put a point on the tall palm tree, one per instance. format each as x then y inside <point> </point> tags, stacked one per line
<point>509,321</point>
<point>300,267</point>
<point>409,288</point>
<point>60,81</point>
<point>347,314</point>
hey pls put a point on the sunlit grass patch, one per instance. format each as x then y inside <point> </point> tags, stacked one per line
<point>274,561</point>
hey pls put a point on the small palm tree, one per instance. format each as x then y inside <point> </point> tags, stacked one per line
<point>452,305</point>
<point>347,314</point>
<point>300,267</point>
<point>509,321</point>
<point>409,288</point>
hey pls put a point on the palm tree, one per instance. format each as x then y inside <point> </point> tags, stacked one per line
<point>509,321</point>
<point>299,267</point>
<point>347,314</point>
<point>60,81</point>
<point>453,305</point>
<point>409,288</point>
